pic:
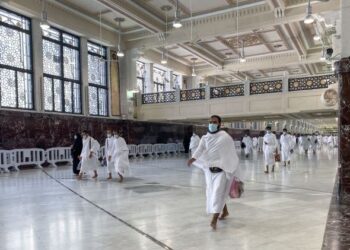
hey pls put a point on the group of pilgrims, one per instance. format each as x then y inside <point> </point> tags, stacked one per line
<point>215,154</point>
<point>85,155</point>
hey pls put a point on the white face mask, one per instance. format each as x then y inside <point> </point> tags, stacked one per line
<point>85,137</point>
<point>75,137</point>
<point>109,135</point>
<point>284,133</point>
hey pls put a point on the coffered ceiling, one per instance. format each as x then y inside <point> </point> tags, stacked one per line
<point>276,41</point>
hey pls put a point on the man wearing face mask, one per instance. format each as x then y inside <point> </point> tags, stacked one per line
<point>286,147</point>
<point>216,156</point>
<point>120,156</point>
<point>89,155</point>
<point>109,151</point>
<point>270,147</point>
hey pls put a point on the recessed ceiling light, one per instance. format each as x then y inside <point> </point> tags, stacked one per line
<point>277,46</point>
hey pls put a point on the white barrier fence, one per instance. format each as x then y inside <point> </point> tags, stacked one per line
<point>37,157</point>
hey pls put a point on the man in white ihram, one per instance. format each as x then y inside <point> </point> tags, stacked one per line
<point>247,140</point>
<point>109,151</point>
<point>120,156</point>
<point>270,148</point>
<point>194,143</point>
<point>286,147</point>
<point>89,155</point>
<point>216,156</point>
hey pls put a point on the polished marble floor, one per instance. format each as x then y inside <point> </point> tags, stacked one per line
<point>162,206</point>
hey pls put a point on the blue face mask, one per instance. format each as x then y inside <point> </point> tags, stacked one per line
<point>212,127</point>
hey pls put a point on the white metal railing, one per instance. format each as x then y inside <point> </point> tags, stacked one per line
<point>36,156</point>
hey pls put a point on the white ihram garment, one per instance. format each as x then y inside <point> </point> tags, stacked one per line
<point>286,146</point>
<point>194,143</point>
<point>269,148</point>
<point>121,156</point>
<point>305,143</point>
<point>90,145</point>
<point>260,143</point>
<point>248,144</point>
<point>109,151</point>
<point>217,150</point>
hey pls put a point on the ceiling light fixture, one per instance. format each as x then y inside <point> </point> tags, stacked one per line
<point>309,18</point>
<point>177,21</point>
<point>317,37</point>
<point>120,53</point>
<point>44,24</point>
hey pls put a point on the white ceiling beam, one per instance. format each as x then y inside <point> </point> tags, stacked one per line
<point>137,15</point>
<point>271,4</point>
<point>294,39</point>
<point>202,55</point>
<point>267,62</point>
<point>251,18</point>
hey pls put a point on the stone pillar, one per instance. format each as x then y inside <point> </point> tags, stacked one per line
<point>38,66</point>
<point>84,76</point>
<point>149,78</point>
<point>343,71</point>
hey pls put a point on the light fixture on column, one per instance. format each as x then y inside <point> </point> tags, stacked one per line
<point>120,53</point>
<point>193,64</point>
<point>44,24</point>
<point>177,21</point>
<point>309,18</point>
<point>242,56</point>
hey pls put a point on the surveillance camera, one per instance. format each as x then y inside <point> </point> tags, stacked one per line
<point>329,53</point>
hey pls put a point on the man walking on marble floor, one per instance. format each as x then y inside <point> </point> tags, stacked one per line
<point>216,156</point>
<point>270,148</point>
<point>89,155</point>
<point>286,147</point>
<point>247,140</point>
<point>109,153</point>
<point>120,156</point>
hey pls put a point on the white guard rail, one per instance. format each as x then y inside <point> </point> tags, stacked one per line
<point>132,150</point>
<point>28,156</point>
<point>171,148</point>
<point>144,149</point>
<point>180,147</point>
<point>56,155</point>
<point>5,160</point>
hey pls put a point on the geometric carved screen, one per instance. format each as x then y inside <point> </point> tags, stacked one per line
<point>257,88</point>
<point>192,94</point>
<point>307,83</point>
<point>61,67</point>
<point>227,91</point>
<point>16,81</point>
<point>98,87</point>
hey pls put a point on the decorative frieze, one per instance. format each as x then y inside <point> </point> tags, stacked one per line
<point>227,91</point>
<point>161,97</point>
<point>257,88</point>
<point>192,94</point>
<point>307,83</point>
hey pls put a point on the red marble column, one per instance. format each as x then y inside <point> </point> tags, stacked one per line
<point>343,71</point>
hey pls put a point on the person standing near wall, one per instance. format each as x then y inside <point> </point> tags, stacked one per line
<point>109,150</point>
<point>247,140</point>
<point>216,156</point>
<point>76,151</point>
<point>89,155</point>
<point>120,156</point>
<point>260,142</point>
